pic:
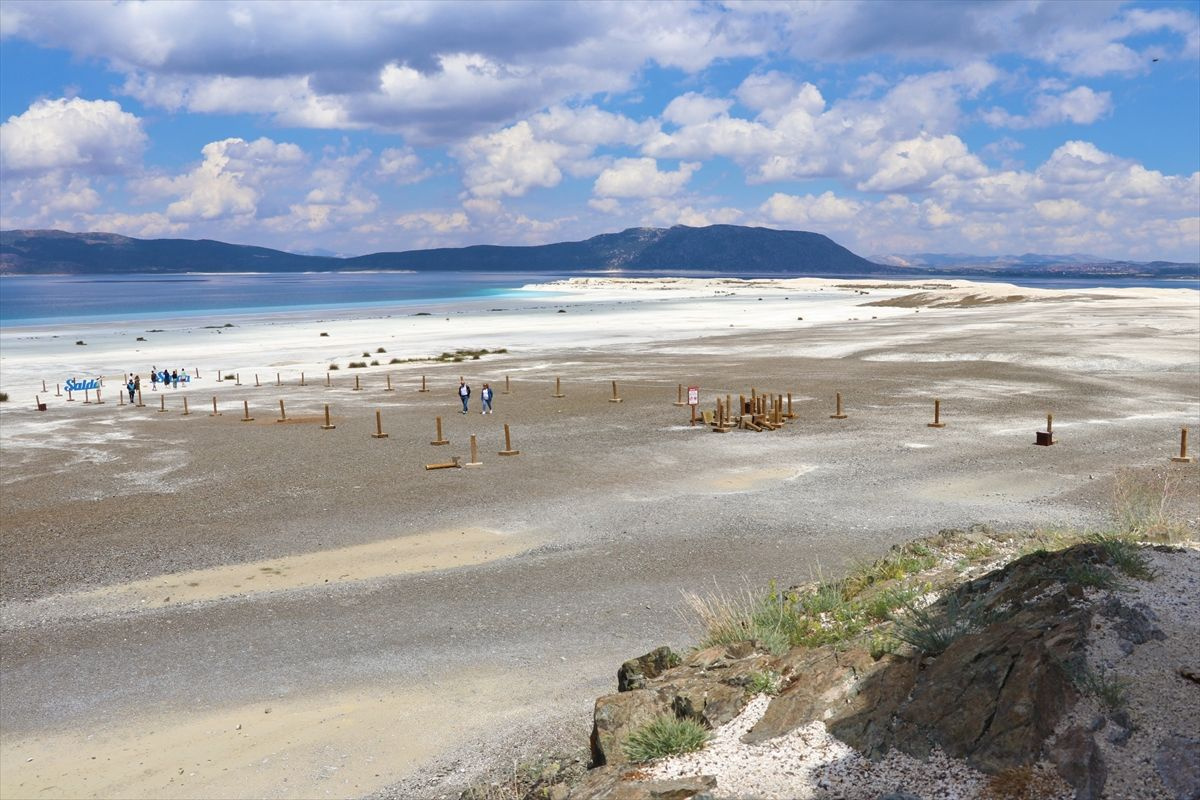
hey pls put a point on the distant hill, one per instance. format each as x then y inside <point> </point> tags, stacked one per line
<point>1036,265</point>
<point>723,248</point>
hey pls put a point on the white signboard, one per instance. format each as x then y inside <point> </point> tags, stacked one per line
<point>693,395</point>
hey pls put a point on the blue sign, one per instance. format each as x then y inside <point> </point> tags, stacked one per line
<point>73,385</point>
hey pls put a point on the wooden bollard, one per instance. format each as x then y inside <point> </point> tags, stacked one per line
<point>162,404</point>
<point>453,464</point>
<point>282,412</point>
<point>357,386</point>
<point>301,378</point>
<point>508,448</point>
<point>474,462</point>
<point>327,379</point>
<point>558,388</point>
<point>728,414</point>
<point>197,373</point>
<point>1183,457</point>
<point>423,388</point>
<point>679,396</point>
<point>790,414</point>
<point>439,440</point>
<point>839,414</point>
<point>219,378</point>
<point>328,426</point>
<point>38,405</point>
<point>1046,438</point>
<point>507,388</point>
<point>43,384</point>
<point>237,379</point>
<point>937,416</point>
<point>693,408</point>
<point>186,413</point>
<point>246,412</point>
<point>719,426</point>
<point>389,383</point>
<point>69,398</point>
<point>57,393</point>
<point>120,398</point>
<point>215,413</point>
<point>99,399</point>
<point>256,383</point>
<point>614,398</point>
<point>378,434</point>
<point>140,404</point>
<point>87,397</point>
<point>277,380</point>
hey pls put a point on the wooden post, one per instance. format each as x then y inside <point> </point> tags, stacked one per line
<point>43,387</point>
<point>558,388</point>
<point>508,448</point>
<point>87,397</point>
<point>1050,425</point>
<point>790,414</point>
<point>937,415</point>
<point>162,404</point>
<point>679,396</point>
<point>186,413</point>
<point>728,414</point>
<point>357,387</point>
<point>246,412</point>
<point>256,383</point>
<point>120,398</point>
<point>197,373</point>
<point>693,408</point>
<point>423,389</point>
<point>389,383</point>
<point>378,434</point>
<point>282,412</point>
<point>1046,438</point>
<point>614,398</point>
<point>69,398</point>
<point>839,414</point>
<point>301,378</point>
<point>99,400</point>
<point>439,440</point>
<point>219,378</point>
<point>327,380</point>
<point>57,393</point>
<point>328,426</point>
<point>215,413</point>
<point>1183,457</point>
<point>140,404</point>
<point>474,462</point>
<point>237,379</point>
<point>507,388</point>
<point>38,405</point>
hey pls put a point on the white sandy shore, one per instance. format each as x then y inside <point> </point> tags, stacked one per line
<point>600,313</point>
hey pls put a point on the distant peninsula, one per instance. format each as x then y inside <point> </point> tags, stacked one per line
<point>722,249</point>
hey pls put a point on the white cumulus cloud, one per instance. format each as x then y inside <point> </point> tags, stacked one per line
<point>89,136</point>
<point>641,177</point>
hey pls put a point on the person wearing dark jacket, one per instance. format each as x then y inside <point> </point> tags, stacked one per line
<point>464,393</point>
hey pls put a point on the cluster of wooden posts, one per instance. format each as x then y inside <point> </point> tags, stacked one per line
<point>758,413</point>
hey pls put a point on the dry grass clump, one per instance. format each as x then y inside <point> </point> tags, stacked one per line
<point>1150,508</point>
<point>1024,783</point>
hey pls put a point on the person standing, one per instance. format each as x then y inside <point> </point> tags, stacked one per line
<point>154,379</point>
<point>485,397</point>
<point>174,379</point>
<point>132,387</point>
<point>464,393</point>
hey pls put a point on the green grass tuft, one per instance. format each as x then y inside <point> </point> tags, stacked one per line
<point>665,736</point>
<point>1126,555</point>
<point>1109,688</point>
<point>767,682</point>
<point>934,628</point>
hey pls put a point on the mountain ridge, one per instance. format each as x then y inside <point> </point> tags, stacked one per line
<point>727,249</point>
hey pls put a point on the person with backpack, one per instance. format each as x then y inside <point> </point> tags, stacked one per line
<point>464,393</point>
<point>132,388</point>
<point>485,397</point>
<point>174,379</point>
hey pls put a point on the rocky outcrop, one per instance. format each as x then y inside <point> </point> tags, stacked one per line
<point>1177,763</point>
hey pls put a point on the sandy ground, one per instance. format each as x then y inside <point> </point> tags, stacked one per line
<point>166,579</point>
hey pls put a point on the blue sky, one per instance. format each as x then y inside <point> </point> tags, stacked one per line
<point>894,128</point>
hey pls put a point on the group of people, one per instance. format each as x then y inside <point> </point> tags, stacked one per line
<point>485,396</point>
<point>133,381</point>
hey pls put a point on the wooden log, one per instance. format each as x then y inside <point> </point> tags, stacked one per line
<point>439,440</point>
<point>378,434</point>
<point>453,464</point>
<point>1183,457</point>
<point>508,448</point>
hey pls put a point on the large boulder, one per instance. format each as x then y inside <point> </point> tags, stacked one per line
<point>825,679</point>
<point>634,673</point>
<point>618,715</point>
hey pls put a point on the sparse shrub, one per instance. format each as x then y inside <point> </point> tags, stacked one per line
<point>882,644</point>
<point>881,605</point>
<point>80,342</point>
<point>228,325</point>
<point>933,628</point>
<point>380,350</point>
<point>1126,555</point>
<point>395,361</point>
<point>3,397</point>
<point>374,362</point>
<point>231,377</point>
<point>356,365</point>
<point>980,551</point>
<point>333,366</point>
<point>1091,575</point>
<point>1109,688</point>
<point>767,682</point>
<point>665,736</point>
<point>1142,507</point>
<point>366,355</point>
<point>323,333</point>
<point>141,338</point>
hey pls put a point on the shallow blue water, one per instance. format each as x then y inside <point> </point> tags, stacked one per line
<point>33,299</point>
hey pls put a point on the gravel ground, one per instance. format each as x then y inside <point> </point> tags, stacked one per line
<point>628,503</point>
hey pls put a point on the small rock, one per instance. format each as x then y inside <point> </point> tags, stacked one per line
<point>1118,735</point>
<point>1178,765</point>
